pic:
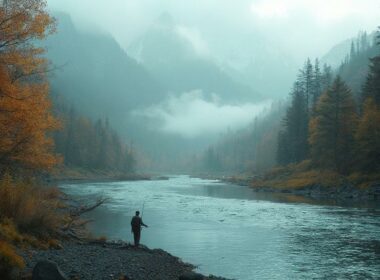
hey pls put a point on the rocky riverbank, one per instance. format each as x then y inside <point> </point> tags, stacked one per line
<point>95,260</point>
<point>344,191</point>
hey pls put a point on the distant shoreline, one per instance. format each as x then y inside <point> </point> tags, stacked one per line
<point>67,175</point>
<point>344,192</point>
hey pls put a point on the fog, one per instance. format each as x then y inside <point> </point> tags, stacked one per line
<point>299,28</point>
<point>173,76</point>
<point>190,115</point>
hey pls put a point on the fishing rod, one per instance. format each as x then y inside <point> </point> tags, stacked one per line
<point>142,211</point>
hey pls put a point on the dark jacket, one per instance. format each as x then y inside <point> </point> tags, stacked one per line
<point>136,224</point>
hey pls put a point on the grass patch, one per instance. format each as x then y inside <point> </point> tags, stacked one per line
<point>364,181</point>
<point>295,176</point>
<point>28,217</point>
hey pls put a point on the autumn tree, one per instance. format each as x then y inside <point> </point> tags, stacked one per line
<point>25,115</point>
<point>332,129</point>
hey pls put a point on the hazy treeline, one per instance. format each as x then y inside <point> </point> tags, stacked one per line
<point>307,89</point>
<point>324,118</point>
<point>326,124</point>
<point>354,67</point>
<point>90,145</point>
<point>250,149</point>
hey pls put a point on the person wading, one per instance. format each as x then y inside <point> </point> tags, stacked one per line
<point>136,224</point>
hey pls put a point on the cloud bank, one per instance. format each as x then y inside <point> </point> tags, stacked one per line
<point>302,27</point>
<point>192,115</point>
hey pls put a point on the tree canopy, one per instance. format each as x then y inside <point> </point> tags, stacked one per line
<point>25,109</point>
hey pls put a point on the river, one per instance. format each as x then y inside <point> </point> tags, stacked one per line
<point>233,232</point>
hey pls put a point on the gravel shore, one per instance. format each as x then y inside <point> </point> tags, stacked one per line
<point>111,260</point>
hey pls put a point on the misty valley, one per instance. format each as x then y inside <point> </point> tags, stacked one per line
<point>189,140</point>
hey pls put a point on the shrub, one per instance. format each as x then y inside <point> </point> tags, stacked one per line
<point>28,217</point>
<point>31,208</point>
<point>9,260</point>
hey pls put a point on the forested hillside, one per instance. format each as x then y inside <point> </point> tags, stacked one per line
<point>334,132</point>
<point>92,71</point>
<point>88,145</point>
<point>322,126</point>
<point>252,149</point>
<point>354,67</point>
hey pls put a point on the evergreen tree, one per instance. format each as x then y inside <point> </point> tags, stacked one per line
<point>293,145</point>
<point>368,134</point>
<point>371,86</point>
<point>352,50</point>
<point>326,78</point>
<point>91,145</point>
<point>368,138</point>
<point>307,82</point>
<point>332,129</point>
<point>317,83</point>
<point>283,154</point>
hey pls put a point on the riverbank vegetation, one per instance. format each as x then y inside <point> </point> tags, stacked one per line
<point>90,149</point>
<point>325,134</point>
<point>28,212</point>
<point>40,137</point>
<point>331,133</point>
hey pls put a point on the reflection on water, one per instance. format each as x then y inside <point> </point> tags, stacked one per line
<point>232,231</point>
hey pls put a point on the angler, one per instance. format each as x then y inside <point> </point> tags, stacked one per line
<point>136,224</point>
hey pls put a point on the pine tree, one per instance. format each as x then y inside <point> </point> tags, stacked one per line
<point>332,129</point>
<point>326,78</point>
<point>293,145</point>
<point>368,134</point>
<point>317,83</point>
<point>368,138</point>
<point>307,82</point>
<point>352,50</point>
<point>283,154</point>
<point>371,88</point>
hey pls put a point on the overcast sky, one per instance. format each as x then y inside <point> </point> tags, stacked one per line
<point>302,27</point>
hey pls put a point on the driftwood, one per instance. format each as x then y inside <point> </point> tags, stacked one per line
<point>75,225</point>
<point>85,208</point>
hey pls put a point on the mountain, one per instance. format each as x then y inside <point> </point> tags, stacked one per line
<point>177,57</point>
<point>354,70</point>
<point>338,53</point>
<point>95,73</point>
<point>350,59</point>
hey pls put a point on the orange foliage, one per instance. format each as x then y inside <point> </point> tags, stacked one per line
<point>25,109</point>
<point>31,208</point>
<point>9,259</point>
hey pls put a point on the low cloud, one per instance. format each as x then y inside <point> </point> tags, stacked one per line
<point>192,115</point>
<point>194,37</point>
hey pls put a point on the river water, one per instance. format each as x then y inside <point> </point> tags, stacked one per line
<point>233,232</point>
